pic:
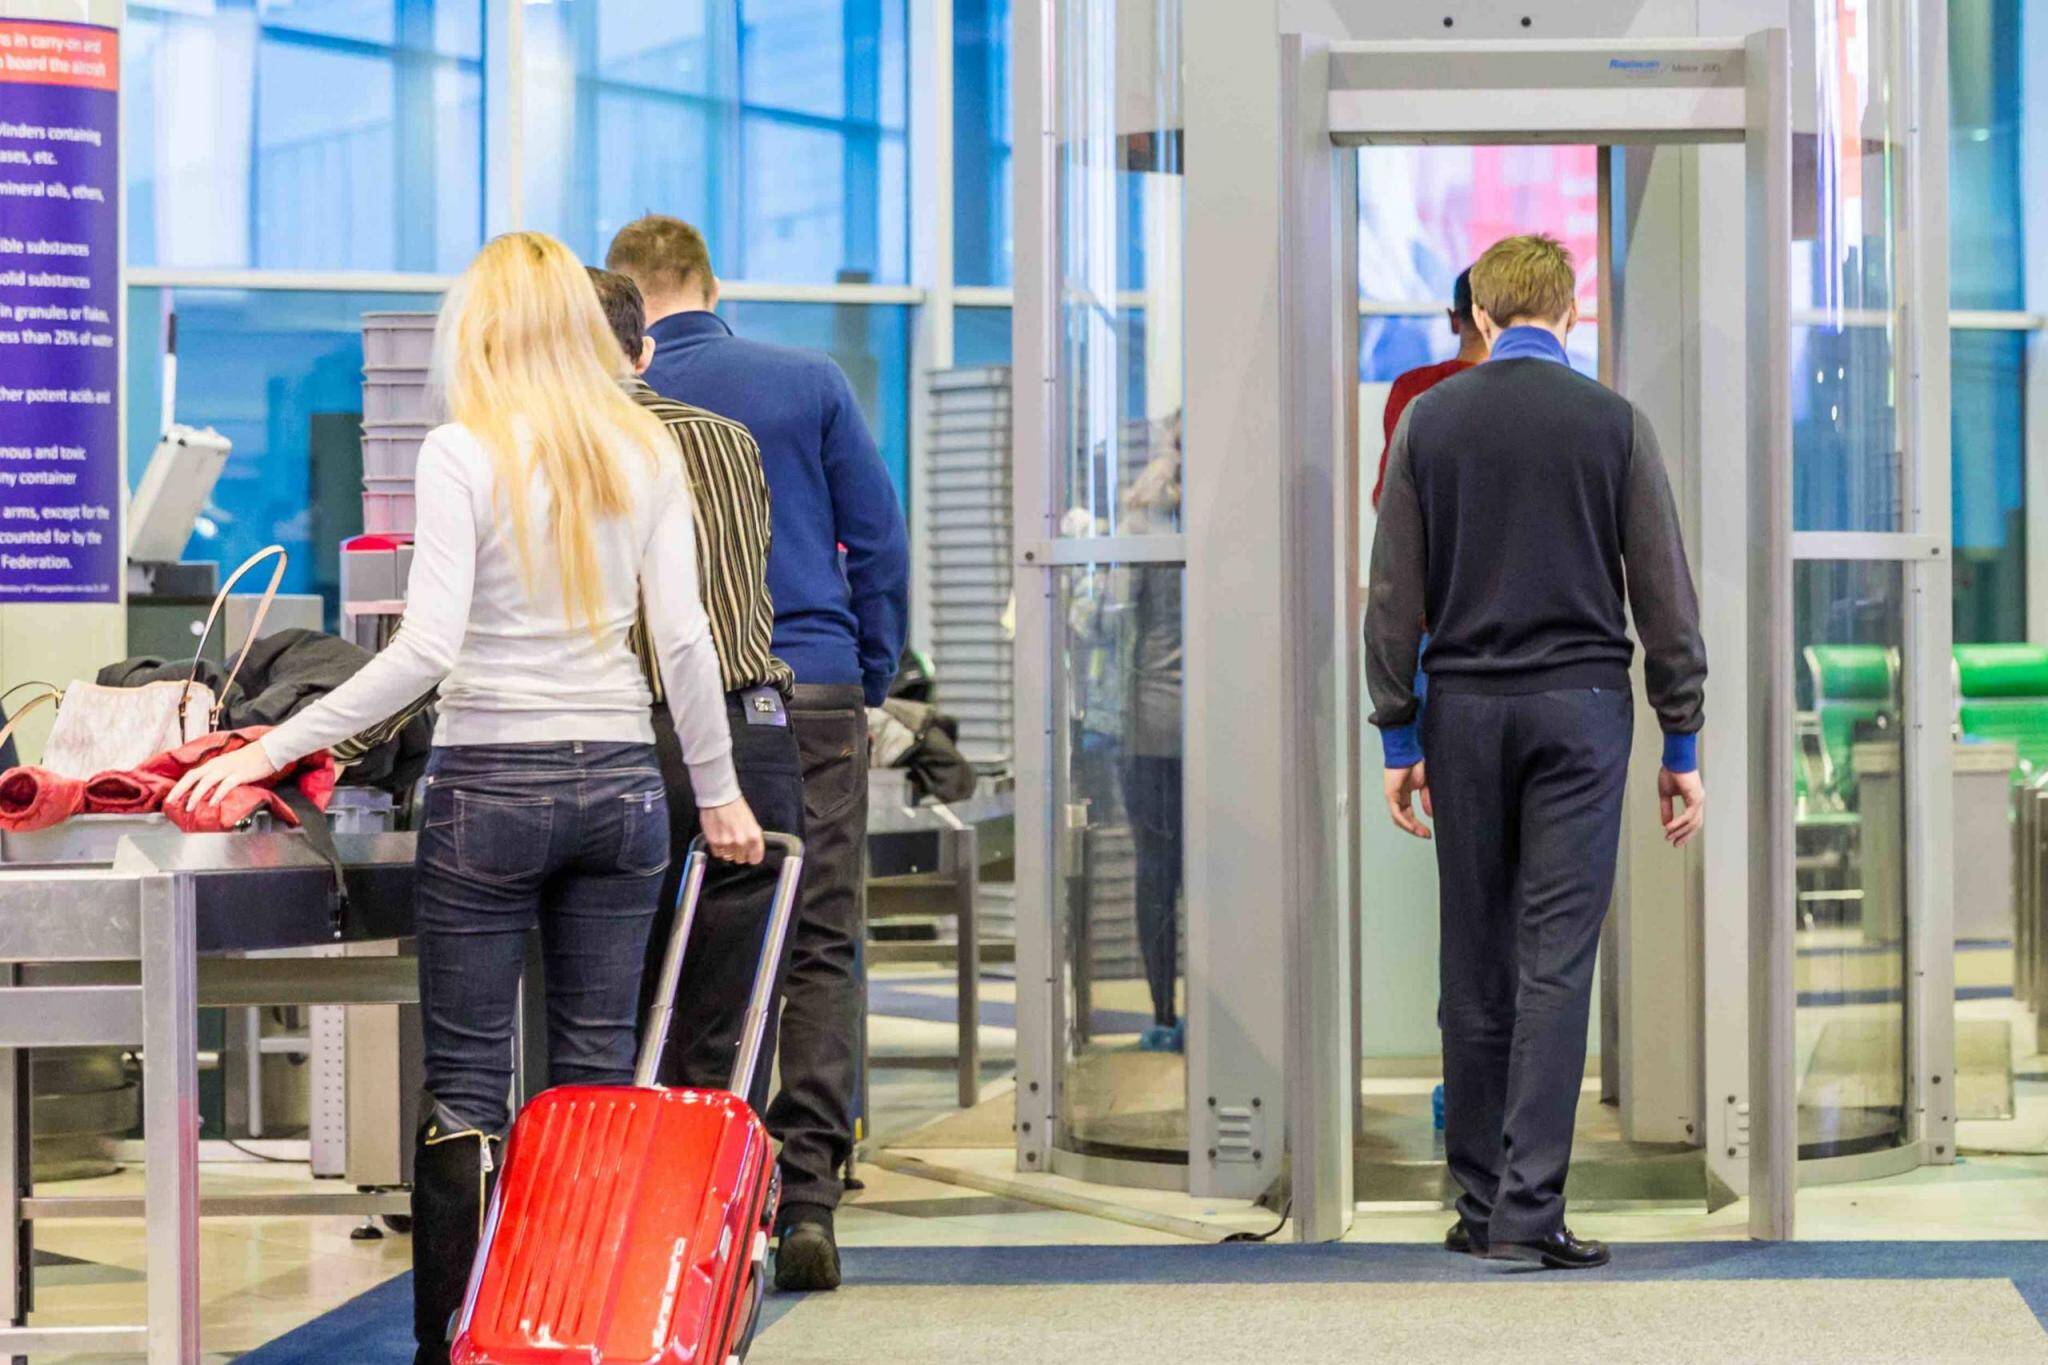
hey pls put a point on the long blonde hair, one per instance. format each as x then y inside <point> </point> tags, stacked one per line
<point>524,358</point>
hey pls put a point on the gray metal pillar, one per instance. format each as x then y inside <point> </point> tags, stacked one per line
<point>1034,389</point>
<point>170,1098</point>
<point>1244,689</point>
<point>1318,469</point>
<point>1921,63</point>
<point>1650,337</point>
<point>1774,1124</point>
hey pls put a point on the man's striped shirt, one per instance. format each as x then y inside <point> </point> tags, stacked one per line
<point>730,496</point>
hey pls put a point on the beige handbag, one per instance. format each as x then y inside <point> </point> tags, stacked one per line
<point>113,729</point>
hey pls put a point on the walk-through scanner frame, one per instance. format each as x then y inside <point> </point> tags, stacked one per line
<point>1342,95</point>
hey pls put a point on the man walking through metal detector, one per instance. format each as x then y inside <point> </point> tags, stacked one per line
<point>839,574</point>
<point>1526,516</point>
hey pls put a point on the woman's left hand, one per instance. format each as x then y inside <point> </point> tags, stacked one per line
<point>211,781</point>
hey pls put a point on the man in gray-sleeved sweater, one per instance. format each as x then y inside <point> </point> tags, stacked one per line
<point>1523,503</point>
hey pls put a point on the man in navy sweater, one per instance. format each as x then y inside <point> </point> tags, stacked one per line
<point>1526,517</point>
<point>839,574</point>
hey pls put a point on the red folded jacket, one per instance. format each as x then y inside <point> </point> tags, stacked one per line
<point>313,775</point>
<point>134,793</point>
<point>231,811</point>
<point>175,763</point>
<point>36,798</point>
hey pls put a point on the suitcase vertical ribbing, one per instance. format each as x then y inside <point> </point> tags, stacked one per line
<point>630,1223</point>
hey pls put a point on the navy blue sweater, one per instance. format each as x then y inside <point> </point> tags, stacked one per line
<point>836,621</point>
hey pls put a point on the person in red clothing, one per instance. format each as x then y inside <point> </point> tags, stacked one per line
<point>1472,349</point>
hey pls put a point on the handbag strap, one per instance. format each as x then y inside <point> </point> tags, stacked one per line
<point>42,699</point>
<point>220,600</point>
<point>313,824</point>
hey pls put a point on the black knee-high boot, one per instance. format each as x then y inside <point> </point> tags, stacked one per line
<point>453,1167</point>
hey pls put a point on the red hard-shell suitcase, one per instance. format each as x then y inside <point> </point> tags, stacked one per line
<point>630,1223</point>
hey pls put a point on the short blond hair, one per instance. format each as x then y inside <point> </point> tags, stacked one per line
<point>1527,278</point>
<point>660,254</point>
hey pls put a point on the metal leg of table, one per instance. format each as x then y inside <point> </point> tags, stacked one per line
<point>863,1114</point>
<point>863,1125</point>
<point>966,883</point>
<point>17,1246</point>
<point>170,1117</point>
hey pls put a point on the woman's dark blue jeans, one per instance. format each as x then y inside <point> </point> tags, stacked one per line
<point>571,838</point>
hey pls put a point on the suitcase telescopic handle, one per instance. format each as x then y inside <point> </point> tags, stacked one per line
<point>761,1000</point>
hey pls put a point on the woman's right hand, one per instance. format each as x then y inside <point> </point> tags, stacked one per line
<point>733,832</point>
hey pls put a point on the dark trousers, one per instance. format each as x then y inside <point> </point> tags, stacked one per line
<point>732,913</point>
<point>1152,799</point>
<point>570,837</point>
<point>812,1114</point>
<point>1527,792</point>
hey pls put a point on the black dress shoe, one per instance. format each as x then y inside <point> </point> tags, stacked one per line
<point>806,1252</point>
<point>1465,1239</point>
<point>1559,1251</point>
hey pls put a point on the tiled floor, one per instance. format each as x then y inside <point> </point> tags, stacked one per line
<point>263,1276</point>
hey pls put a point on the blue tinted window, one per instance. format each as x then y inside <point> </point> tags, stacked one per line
<point>322,135</point>
<point>981,142</point>
<point>871,342</point>
<point>779,127</point>
<point>1987,237</point>
<point>1988,430</point>
<point>1986,218</point>
<point>981,336</point>
<point>280,374</point>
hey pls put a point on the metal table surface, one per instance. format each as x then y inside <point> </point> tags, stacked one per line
<point>143,943</point>
<point>909,840</point>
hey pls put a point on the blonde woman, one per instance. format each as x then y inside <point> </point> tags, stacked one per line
<point>548,507</point>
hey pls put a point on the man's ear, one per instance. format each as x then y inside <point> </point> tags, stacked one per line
<point>646,356</point>
<point>1571,317</point>
<point>1483,320</point>
<point>711,295</point>
<point>1457,323</point>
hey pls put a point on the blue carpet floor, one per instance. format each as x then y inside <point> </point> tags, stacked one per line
<point>886,997</point>
<point>376,1329</point>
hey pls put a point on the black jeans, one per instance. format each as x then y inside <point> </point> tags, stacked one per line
<point>1527,792</point>
<point>1152,798</point>
<point>571,837</point>
<point>821,1004</point>
<point>725,941</point>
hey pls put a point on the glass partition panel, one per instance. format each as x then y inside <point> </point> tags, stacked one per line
<point>1120,269</point>
<point>1118,639</point>
<point>1850,802</point>
<point>1846,443</point>
<point>2001,1079</point>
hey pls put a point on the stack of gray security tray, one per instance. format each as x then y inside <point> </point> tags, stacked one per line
<point>968,514</point>
<point>398,412</point>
